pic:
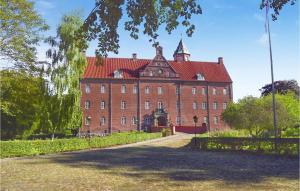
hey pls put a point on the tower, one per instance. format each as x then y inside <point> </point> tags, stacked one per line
<point>181,53</point>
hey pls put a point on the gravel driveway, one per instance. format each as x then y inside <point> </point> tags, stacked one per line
<point>164,164</point>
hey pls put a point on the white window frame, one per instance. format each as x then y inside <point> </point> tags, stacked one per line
<point>87,88</point>
<point>102,121</point>
<point>134,120</point>
<point>102,89</point>
<point>87,120</point>
<point>205,120</point>
<point>102,105</point>
<point>123,89</point>
<point>216,120</point>
<point>204,105</point>
<point>177,120</point>
<point>224,105</point>
<point>160,105</point>
<point>147,90</point>
<point>123,120</point>
<point>194,105</point>
<point>159,90</point>
<point>215,105</point>
<point>87,104</point>
<point>203,91</point>
<point>135,89</point>
<point>200,77</point>
<point>214,91</point>
<point>147,104</point>
<point>194,90</point>
<point>225,91</point>
<point>123,104</point>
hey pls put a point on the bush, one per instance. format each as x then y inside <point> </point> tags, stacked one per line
<point>18,148</point>
<point>286,146</point>
<point>166,132</point>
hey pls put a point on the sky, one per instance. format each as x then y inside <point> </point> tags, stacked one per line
<point>230,29</point>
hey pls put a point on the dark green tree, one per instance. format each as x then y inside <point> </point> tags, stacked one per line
<point>276,6</point>
<point>281,87</point>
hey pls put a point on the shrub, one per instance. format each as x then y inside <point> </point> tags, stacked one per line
<point>35,147</point>
<point>166,132</point>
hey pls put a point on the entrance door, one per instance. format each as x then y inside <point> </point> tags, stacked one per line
<point>162,121</point>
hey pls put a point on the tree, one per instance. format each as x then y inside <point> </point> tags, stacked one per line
<point>20,28</point>
<point>281,87</point>
<point>255,114</point>
<point>21,97</point>
<point>276,5</point>
<point>68,64</point>
<point>103,21</point>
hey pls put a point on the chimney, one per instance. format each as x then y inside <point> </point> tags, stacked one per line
<point>220,60</point>
<point>134,56</point>
<point>159,51</point>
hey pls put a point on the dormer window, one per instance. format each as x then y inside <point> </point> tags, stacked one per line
<point>118,74</point>
<point>160,71</point>
<point>200,77</point>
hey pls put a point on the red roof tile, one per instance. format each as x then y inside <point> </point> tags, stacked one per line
<point>212,71</point>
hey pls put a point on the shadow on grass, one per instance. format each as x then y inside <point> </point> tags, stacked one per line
<point>182,164</point>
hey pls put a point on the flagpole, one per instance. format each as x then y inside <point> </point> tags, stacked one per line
<point>273,88</point>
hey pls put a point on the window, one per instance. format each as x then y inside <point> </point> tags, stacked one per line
<point>215,105</point>
<point>193,90</point>
<point>177,90</point>
<point>123,104</point>
<point>118,74</point>
<point>225,91</point>
<point>135,88</point>
<point>177,120</point>
<point>147,105</point>
<point>214,91</point>
<point>87,104</point>
<point>204,105</point>
<point>150,73</point>
<point>205,120</point>
<point>160,105</point>
<point>159,90</point>
<point>194,105</point>
<point>216,120</point>
<point>87,88</point>
<point>160,71</point>
<point>102,121</point>
<point>123,89</point>
<point>102,105</point>
<point>102,89</point>
<point>147,90</point>
<point>147,120</point>
<point>224,105</point>
<point>134,120</point>
<point>200,77</point>
<point>203,91</point>
<point>123,120</point>
<point>177,105</point>
<point>87,120</point>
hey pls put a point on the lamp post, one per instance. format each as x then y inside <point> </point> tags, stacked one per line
<point>195,118</point>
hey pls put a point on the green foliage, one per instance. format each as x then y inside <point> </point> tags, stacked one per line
<point>36,147</point>
<point>255,114</point>
<point>230,133</point>
<point>166,132</point>
<point>68,64</point>
<point>276,5</point>
<point>20,28</point>
<point>21,98</point>
<point>286,146</point>
<point>143,15</point>
<point>281,87</point>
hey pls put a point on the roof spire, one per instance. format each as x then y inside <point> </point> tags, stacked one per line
<point>181,53</point>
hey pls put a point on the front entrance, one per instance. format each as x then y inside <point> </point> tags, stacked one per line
<point>161,120</point>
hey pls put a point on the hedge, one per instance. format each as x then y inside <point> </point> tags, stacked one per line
<point>285,146</point>
<point>19,148</point>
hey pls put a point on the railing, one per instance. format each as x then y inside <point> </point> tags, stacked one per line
<point>285,146</point>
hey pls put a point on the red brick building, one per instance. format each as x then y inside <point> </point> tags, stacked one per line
<point>134,94</point>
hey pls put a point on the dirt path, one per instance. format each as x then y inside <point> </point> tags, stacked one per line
<point>165,164</point>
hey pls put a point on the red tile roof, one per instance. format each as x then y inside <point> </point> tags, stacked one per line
<point>212,71</point>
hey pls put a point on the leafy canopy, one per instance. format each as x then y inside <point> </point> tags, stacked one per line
<point>281,87</point>
<point>20,32</point>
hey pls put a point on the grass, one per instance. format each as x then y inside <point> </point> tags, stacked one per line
<point>162,166</point>
<point>37,147</point>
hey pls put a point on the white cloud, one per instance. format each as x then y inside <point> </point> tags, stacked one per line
<point>264,39</point>
<point>258,17</point>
